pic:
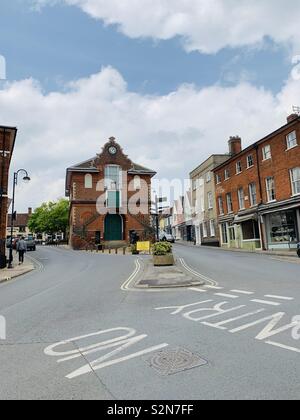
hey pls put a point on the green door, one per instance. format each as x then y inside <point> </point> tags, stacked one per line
<point>113,227</point>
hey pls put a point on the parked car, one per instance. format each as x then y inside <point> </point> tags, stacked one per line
<point>31,245</point>
<point>298,249</point>
<point>166,237</point>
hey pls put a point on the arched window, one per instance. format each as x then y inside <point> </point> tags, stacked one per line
<point>137,183</point>
<point>88,181</point>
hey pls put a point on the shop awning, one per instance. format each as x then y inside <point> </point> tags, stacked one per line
<point>245,218</point>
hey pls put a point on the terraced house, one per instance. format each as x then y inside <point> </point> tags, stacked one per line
<point>258,191</point>
<point>110,199</point>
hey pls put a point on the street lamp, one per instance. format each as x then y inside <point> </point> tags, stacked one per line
<point>26,179</point>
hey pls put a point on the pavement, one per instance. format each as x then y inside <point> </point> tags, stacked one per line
<point>292,253</point>
<point>73,331</point>
<point>17,270</point>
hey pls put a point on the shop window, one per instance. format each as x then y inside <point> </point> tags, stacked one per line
<point>250,230</point>
<point>283,227</point>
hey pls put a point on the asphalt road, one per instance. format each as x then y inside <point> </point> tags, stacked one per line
<point>232,339</point>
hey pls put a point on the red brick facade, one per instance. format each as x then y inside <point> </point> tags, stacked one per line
<point>90,203</point>
<point>7,142</point>
<point>263,190</point>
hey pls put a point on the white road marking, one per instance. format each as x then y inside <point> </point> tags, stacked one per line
<point>242,292</point>
<point>283,346</point>
<point>279,297</point>
<point>266,302</point>
<point>219,325</point>
<point>208,286</point>
<point>195,289</point>
<point>225,295</point>
<point>122,342</point>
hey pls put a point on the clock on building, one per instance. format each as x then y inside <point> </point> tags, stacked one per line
<point>112,150</point>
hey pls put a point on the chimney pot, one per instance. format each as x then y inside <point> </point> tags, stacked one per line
<point>235,145</point>
<point>292,117</point>
<point>29,210</point>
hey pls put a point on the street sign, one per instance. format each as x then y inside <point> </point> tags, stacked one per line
<point>143,246</point>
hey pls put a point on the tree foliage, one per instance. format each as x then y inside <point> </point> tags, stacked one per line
<point>50,217</point>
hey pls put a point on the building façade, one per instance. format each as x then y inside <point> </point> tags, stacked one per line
<point>110,199</point>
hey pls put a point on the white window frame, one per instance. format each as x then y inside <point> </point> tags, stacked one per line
<point>252,194</point>
<point>218,179</point>
<point>226,174</point>
<point>205,233</point>
<point>289,140</point>
<point>239,167</point>
<point>295,182</point>
<point>229,207</point>
<point>241,197</point>
<point>267,152</point>
<point>210,200</point>
<point>248,161</point>
<point>137,185</point>
<point>88,181</point>
<point>208,177</point>
<point>212,228</point>
<point>106,178</point>
<point>221,206</point>
<point>268,190</point>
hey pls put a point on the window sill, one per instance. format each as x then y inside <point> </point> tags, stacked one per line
<point>291,148</point>
<point>250,167</point>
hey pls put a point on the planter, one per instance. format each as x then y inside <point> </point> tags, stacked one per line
<point>163,260</point>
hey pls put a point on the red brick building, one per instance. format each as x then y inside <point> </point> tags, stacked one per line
<point>7,143</point>
<point>110,198</point>
<point>258,191</point>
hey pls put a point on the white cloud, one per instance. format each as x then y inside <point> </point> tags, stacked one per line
<point>204,25</point>
<point>171,134</point>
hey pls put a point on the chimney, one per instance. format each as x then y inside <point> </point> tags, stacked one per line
<point>235,145</point>
<point>29,211</point>
<point>292,117</point>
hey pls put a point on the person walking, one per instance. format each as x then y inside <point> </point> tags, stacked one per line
<point>21,249</point>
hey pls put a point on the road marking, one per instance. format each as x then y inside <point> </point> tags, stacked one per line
<point>279,297</point>
<point>208,286</point>
<point>225,295</point>
<point>196,274</point>
<point>122,342</point>
<point>283,346</point>
<point>242,292</point>
<point>219,325</point>
<point>195,289</point>
<point>266,302</point>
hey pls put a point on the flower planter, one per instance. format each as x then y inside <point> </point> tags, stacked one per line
<point>163,260</point>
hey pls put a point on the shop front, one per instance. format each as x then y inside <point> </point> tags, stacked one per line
<point>282,228</point>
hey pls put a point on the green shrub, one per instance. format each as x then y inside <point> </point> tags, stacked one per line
<point>162,248</point>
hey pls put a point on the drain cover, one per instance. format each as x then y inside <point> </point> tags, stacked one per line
<point>169,362</point>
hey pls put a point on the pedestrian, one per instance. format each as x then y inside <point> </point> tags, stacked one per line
<point>21,249</point>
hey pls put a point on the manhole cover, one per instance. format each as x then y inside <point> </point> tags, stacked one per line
<point>169,362</point>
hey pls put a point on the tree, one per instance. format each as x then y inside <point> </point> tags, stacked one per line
<point>51,217</point>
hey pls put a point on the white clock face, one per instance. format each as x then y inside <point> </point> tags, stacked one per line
<point>112,150</point>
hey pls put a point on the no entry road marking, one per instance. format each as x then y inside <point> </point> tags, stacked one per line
<point>120,343</point>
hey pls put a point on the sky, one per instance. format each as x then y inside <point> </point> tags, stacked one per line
<point>172,80</point>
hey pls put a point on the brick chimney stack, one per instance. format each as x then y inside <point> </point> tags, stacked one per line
<point>235,145</point>
<point>292,117</point>
<point>29,211</point>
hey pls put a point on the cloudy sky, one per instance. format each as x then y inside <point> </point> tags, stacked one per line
<point>171,79</point>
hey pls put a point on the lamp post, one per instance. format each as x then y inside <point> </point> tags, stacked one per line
<point>26,179</point>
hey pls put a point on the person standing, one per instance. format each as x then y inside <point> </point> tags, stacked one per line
<point>21,249</point>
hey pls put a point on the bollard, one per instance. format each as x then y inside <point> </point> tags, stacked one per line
<point>124,251</point>
<point>109,250</point>
<point>116,251</point>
